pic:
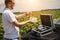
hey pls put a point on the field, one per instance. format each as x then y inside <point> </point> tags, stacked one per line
<point>28,26</point>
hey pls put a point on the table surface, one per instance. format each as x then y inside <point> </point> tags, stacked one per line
<point>31,35</point>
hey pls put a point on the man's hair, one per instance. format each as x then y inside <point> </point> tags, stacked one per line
<point>7,1</point>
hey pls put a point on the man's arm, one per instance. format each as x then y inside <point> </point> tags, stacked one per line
<point>22,15</point>
<point>16,23</point>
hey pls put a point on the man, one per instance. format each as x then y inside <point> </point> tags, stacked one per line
<point>10,24</point>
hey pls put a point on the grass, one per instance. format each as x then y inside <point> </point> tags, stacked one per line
<point>24,28</point>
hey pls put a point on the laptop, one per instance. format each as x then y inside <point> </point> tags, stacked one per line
<point>47,20</point>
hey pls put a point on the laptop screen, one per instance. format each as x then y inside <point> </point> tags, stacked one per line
<point>46,19</point>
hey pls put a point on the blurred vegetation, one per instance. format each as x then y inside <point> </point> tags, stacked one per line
<point>28,26</point>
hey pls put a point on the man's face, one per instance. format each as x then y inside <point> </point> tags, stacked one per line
<point>11,4</point>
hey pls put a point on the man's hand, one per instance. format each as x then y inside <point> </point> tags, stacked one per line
<point>33,19</point>
<point>28,13</point>
<point>30,21</point>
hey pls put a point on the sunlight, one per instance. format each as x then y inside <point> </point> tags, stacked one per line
<point>32,1</point>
